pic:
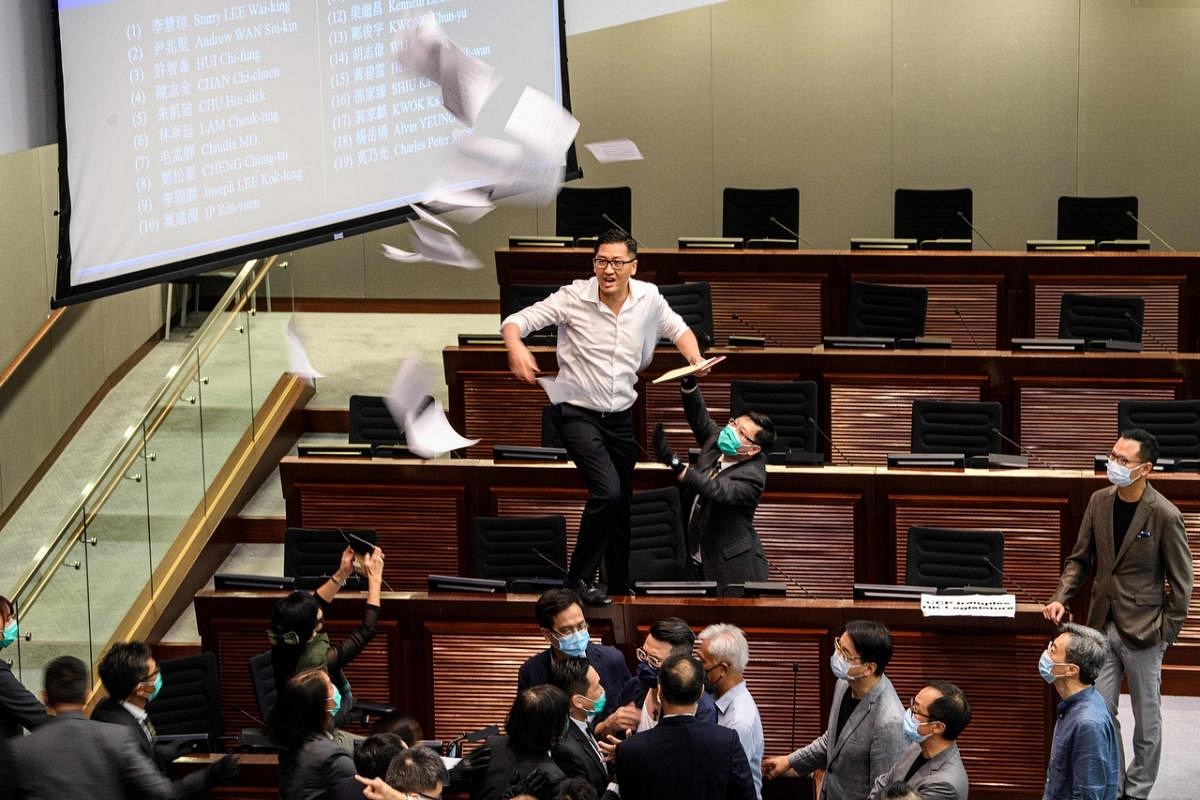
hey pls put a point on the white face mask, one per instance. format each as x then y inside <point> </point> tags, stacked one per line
<point>1119,475</point>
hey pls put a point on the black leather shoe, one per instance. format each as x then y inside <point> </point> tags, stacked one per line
<point>593,596</point>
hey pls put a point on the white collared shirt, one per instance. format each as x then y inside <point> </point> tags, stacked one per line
<point>600,353</point>
<point>587,734</point>
<point>140,715</point>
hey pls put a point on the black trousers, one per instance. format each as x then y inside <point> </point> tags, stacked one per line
<point>604,450</point>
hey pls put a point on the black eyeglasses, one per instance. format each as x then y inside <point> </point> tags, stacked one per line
<point>602,264</point>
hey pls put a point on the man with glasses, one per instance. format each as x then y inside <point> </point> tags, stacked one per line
<point>666,637</point>
<point>932,764</point>
<point>721,493</point>
<point>608,326</point>
<point>1133,544</point>
<point>865,734</point>
<point>131,678</point>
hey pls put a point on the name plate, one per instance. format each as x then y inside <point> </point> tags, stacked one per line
<point>969,605</point>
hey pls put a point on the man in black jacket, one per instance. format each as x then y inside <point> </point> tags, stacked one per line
<point>132,679</point>
<point>18,707</point>
<point>577,752</point>
<point>721,493</point>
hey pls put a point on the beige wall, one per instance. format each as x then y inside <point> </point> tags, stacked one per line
<point>90,341</point>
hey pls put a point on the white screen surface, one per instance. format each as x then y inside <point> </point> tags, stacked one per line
<point>196,129</point>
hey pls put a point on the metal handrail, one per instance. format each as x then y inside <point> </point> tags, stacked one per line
<point>97,492</point>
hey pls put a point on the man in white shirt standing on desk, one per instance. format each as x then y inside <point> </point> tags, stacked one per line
<point>608,326</point>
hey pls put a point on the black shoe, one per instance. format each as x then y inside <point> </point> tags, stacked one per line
<point>592,595</point>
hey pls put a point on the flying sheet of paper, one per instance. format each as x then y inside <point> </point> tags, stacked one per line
<point>428,433</point>
<point>558,391</point>
<point>463,207</point>
<point>508,169</point>
<point>410,386</point>
<point>614,150</point>
<point>541,124</point>
<point>298,361</point>
<point>443,248</point>
<point>433,221</point>
<point>466,82</point>
<point>403,256</point>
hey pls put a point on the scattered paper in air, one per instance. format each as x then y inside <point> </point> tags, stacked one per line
<point>298,361</point>
<point>443,248</point>
<point>614,150</point>
<point>558,391</point>
<point>466,82</point>
<point>541,124</point>
<point>432,221</point>
<point>428,433</point>
<point>409,387</point>
<point>969,605</point>
<point>403,256</point>
<point>509,169</point>
<point>463,207</point>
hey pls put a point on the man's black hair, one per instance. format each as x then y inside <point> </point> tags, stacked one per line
<point>766,434</point>
<point>537,719</point>
<point>675,632</point>
<point>123,667</point>
<point>570,675</point>
<point>681,680</point>
<point>66,682</point>
<point>1147,443</point>
<point>417,770</point>
<point>872,641</point>
<point>552,603</point>
<point>614,236</point>
<point>371,758</point>
<point>951,709</point>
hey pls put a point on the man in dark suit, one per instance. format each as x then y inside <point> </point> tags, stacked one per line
<point>932,764</point>
<point>132,679</point>
<point>1133,545</point>
<point>73,757</point>
<point>19,709</point>
<point>577,752</point>
<point>681,756</point>
<point>665,638</point>
<point>721,493</point>
<point>559,614</point>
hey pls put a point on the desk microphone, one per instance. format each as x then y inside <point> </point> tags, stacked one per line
<point>742,318</point>
<point>787,576</point>
<point>551,562</point>
<point>821,431</point>
<point>793,234</point>
<point>1032,456</point>
<point>616,225</point>
<point>1161,240</point>
<point>1006,579</point>
<point>966,327</point>
<point>1147,333</point>
<point>963,217</point>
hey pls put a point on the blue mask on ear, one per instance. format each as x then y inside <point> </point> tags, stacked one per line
<point>10,634</point>
<point>337,702</point>
<point>157,688</point>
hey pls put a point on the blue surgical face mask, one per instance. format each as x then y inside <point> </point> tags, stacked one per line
<point>728,442</point>
<point>10,633</point>
<point>574,644</point>
<point>1046,667</point>
<point>157,688</point>
<point>912,728</point>
<point>1118,475</point>
<point>597,706</point>
<point>337,702</point>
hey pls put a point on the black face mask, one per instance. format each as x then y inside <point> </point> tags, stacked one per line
<point>647,675</point>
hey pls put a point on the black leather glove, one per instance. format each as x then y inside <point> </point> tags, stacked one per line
<point>222,772</point>
<point>688,383</point>
<point>664,452</point>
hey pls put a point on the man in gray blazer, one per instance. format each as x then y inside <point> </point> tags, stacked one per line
<point>932,764</point>
<point>865,735</point>
<point>72,757</point>
<point>1134,546</point>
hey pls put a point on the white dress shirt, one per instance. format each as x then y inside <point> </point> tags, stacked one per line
<point>600,353</point>
<point>737,711</point>
<point>141,716</point>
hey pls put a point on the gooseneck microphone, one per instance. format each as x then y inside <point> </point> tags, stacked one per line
<point>966,327</point>
<point>1004,576</point>
<point>792,233</point>
<point>1033,457</point>
<point>963,217</point>
<point>616,225</point>
<point>742,318</point>
<point>1147,333</point>
<point>837,449</point>
<point>1161,240</point>
<point>791,579</point>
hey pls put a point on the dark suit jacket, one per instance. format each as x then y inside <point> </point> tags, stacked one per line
<point>943,777</point>
<point>682,757</point>
<point>579,759</point>
<point>508,767</point>
<point>18,709</point>
<point>635,692</point>
<point>1129,584</point>
<point>110,710</point>
<point>730,550</point>
<point>75,758</point>
<point>608,661</point>
<point>315,771</point>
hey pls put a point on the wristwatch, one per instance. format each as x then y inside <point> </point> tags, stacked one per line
<point>676,465</point>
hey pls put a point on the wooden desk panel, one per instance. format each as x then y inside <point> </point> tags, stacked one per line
<point>453,661</point>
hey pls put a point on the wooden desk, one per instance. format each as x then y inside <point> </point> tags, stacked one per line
<point>1062,405</point>
<point>796,296</point>
<point>452,661</point>
<point>824,528</point>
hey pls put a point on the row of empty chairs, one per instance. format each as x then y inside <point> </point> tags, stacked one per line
<point>772,216</point>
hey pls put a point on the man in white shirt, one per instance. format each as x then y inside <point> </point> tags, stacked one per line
<point>724,654</point>
<point>608,327</point>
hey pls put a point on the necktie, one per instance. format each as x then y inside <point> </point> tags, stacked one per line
<point>693,526</point>
<point>148,727</point>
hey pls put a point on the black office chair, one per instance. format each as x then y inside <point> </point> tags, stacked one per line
<point>506,548</point>
<point>790,406</point>
<point>518,296</point>
<point>262,679</point>
<point>747,213</point>
<point>949,426</point>
<point>188,705</point>
<point>879,309</point>
<point>693,302</point>
<point>657,548</point>
<point>1175,423</point>
<point>924,214</point>
<point>945,557</point>
<point>578,213</point>
<point>1098,317</point>
<point>371,422</point>
<point>311,555</point>
<point>1098,218</point>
